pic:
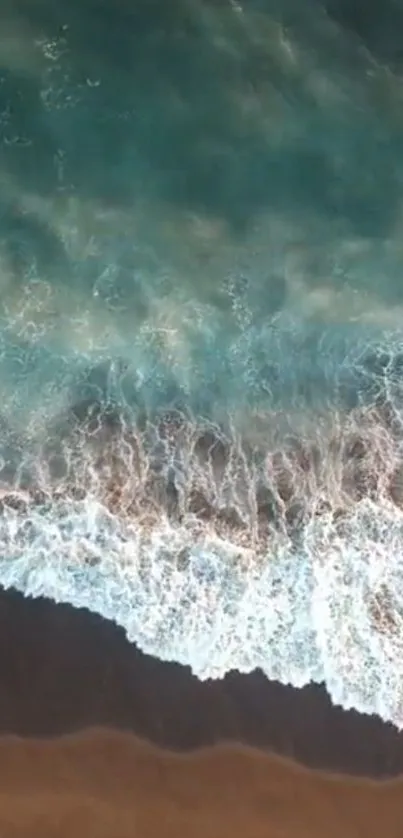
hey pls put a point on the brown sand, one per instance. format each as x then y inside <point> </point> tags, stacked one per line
<point>108,784</point>
<point>64,670</point>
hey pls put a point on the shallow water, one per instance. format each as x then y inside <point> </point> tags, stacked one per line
<point>200,335</point>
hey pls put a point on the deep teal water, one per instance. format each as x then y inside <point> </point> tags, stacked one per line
<point>200,217</point>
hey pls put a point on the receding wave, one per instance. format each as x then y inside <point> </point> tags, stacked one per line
<point>261,530</point>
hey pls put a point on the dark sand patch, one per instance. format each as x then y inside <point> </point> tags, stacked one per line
<point>63,670</point>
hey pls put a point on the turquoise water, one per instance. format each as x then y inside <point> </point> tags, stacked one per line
<point>201,334</point>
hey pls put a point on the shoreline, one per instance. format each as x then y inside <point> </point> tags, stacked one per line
<point>66,669</point>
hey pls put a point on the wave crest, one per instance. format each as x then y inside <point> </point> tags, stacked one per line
<point>226,550</point>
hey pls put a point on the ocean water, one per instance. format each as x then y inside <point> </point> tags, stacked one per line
<point>201,332</point>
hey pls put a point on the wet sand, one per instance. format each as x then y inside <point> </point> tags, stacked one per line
<point>98,739</point>
<point>65,670</point>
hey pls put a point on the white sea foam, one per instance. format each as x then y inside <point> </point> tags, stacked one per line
<point>328,611</point>
<point>274,541</point>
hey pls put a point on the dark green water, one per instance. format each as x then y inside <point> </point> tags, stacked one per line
<point>201,329</point>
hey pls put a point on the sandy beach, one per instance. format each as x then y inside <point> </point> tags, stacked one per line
<point>65,670</point>
<point>105,784</point>
<point>101,740</point>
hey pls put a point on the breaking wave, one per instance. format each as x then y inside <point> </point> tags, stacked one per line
<point>258,526</point>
